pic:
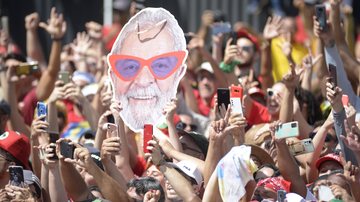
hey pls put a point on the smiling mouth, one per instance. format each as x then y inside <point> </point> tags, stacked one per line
<point>143,97</point>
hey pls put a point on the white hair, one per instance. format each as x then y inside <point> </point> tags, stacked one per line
<point>147,18</point>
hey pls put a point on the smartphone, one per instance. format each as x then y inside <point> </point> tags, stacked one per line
<point>223,97</point>
<point>112,130</point>
<point>287,130</point>
<point>320,13</point>
<point>53,138</point>
<point>64,76</point>
<point>221,27</point>
<point>16,176</point>
<point>236,95</point>
<point>325,193</point>
<point>67,150</point>
<point>333,74</point>
<point>345,100</point>
<point>41,110</point>
<point>148,133</point>
<point>281,195</point>
<point>234,37</point>
<point>110,118</point>
<point>26,68</point>
<point>302,147</point>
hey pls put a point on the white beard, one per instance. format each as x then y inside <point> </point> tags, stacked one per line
<point>136,116</point>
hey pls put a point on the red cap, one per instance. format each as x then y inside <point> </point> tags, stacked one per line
<point>275,184</point>
<point>18,145</point>
<point>328,157</point>
<point>243,33</point>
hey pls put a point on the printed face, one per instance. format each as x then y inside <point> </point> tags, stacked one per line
<point>145,76</point>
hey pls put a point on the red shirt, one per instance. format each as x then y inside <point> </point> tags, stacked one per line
<point>258,114</point>
<point>30,101</point>
<point>204,108</point>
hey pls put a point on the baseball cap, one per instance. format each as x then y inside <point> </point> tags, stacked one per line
<point>243,33</point>
<point>190,169</point>
<point>5,107</point>
<point>32,179</point>
<point>16,144</point>
<point>205,66</point>
<point>328,157</point>
<point>83,76</point>
<point>198,139</point>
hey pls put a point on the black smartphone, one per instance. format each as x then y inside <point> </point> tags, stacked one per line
<point>333,74</point>
<point>223,97</point>
<point>53,138</point>
<point>16,176</point>
<point>110,118</point>
<point>67,150</point>
<point>234,37</point>
<point>320,13</point>
<point>188,37</point>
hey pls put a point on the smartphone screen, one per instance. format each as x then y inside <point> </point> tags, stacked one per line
<point>16,176</point>
<point>325,193</point>
<point>64,76</point>
<point>41,109</point>
<point>320,12</point>
<point>223,97</point>
<point>333,74</point>
<point>67,150</point>
<point>148,133</point>
<point>110,118</point>
<point>221,27</point>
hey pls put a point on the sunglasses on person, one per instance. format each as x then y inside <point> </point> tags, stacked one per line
<point>127,67</point>
<point>245,48</point>
<point>181,125</point>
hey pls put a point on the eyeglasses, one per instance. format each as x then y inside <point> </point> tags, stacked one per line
<point>181,125</point>
<point>245,48</point>
<point>127,67</point>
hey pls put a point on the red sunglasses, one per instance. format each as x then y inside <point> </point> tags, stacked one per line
<point>127,67</point>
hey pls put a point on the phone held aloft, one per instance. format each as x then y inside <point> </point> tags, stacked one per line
<point>287,130</point>
<point>302,147</point>
<point>16,176</point>
<point>27,68</point>
<point>67,150</point>
<point>148,133</point>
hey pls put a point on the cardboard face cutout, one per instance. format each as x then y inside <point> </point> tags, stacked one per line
<point>146,64</point>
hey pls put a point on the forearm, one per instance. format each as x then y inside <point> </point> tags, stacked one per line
<point>89,113</point>
<point>77,191</point>
<point>212,189</point>
<point>289,170</point>
<point>287,105</point>
<point>99,138</point>
<point>181,186</point>
<point>335,20</point>
<point>219,74</point>
<point>189,96</point>
<point>304,128</point>
<point>56,188</point>
<point>179,156</point>
<point>173,135</point>
<point>266,68</point>
<point>306,82</point>
<point>112,170</point>
<point>355,191</point>
<point>110,189</point>
<point>33,47</point>
<point>212,158</point>
<point>53,118</point>
<point>44,179</point>
<point>50,75</point>
<point>35,159</point>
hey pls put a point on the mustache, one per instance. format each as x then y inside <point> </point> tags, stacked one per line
<point>148,91</point>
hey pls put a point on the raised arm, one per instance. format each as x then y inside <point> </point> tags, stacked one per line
<point>33,46</point>
<point>169,112</point>
<point>56,28</point>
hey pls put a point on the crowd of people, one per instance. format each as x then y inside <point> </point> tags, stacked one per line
<point>72,125</point>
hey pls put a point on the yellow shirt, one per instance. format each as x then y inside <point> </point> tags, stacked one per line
<point>280,65</point>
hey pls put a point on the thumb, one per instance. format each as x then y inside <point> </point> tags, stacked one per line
<point>43,25</point>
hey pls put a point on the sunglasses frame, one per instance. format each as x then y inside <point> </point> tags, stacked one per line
<point>113,58</point>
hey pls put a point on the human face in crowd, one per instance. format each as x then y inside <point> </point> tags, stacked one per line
<point>145,89</point>
<point>245,51</point>
<point>329,166</point>
<point>206,84</point>
<point>264,173</point>
<point>288,27</point>
<point>187,123</point>
<point>171,193</point>
<point>273,102</point>
<point>154,172</point>
<point>264,193</point>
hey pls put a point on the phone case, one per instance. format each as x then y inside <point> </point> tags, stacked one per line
<point>148,133</point>
<point>16,175</point>
<point>64,76</point>
<point>236,94</point>
<point>333,74</point>
<point>41,109</point>
<point>320,12</point>
<point>221,27</point>
<point>325,193</point>
<point>281,195</point>
<point>287,130</point>
<point>303,147</point>
<point>67,150</point>
<point>112,130</point>
<point>223,97</point>
<point>110,118</point>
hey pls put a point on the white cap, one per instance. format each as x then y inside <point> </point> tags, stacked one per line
<point>190,169</point>
<point>207,67</point>
<point>90,89</point>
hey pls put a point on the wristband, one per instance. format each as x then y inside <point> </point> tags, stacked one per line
<point>228,68</point>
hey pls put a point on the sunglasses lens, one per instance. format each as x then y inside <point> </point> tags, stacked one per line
<point>127,68</point>
<point>162,67</point>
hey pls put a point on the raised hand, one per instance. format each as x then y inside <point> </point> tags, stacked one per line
<point>94,30</point>
<point>58,92</point>
<point>352,138</point>
<point>55,26</point>
<point>170,109</point>
<point>152,196</point>
<point>334,96</point>
<point>73,93</point>
<point>325,35</point>
<point>110,147</point>
<point>38,126</point>
<point>32,21</point>
<point>196,42</point>
<point>154,149</point>
<point>81,44</point>
<point>46,153</point>
<point>230,51</point>
<point>272,27</point>
<point>207,18</point>
<point>292,79</point>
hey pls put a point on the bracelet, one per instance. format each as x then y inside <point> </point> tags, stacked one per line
<point>228,68</point>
